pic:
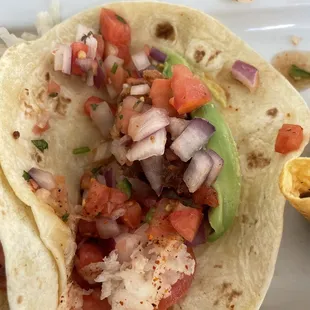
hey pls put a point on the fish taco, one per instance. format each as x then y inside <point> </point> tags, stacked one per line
<point>143,137</point>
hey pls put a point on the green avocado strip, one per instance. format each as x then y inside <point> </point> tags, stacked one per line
<point>228,183</point>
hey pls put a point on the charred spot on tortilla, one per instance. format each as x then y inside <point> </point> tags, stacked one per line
<point>257,160</point>
<point>27,91</point>
<point>198,56</point>
<point>217,52</point>
<point>47,76</point>
<point>288,115</point>
<point>19,299</point>
<point>165,31</point>
<point>218,266</point>
<point>16,134</point>
<point>244,219</point>
<point>304,195</point>
<point>272,112</point>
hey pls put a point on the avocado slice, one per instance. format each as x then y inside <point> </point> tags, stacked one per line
<point>228,183</point>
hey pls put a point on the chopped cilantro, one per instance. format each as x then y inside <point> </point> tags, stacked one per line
<point>26,176</point>
<point>94,106</point>
<point>81,150</point>
<point>114,68</point>
<point>85,36</point>
<point>137,104</point>
<point>121,116</point>
<point>40,144</point>
<point>95,170</point>
<point>149,215</point>
<point>121,19</point>
<point>65,217</point>
<point>53,95</point>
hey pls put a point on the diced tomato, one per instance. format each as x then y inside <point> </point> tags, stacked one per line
<point>186,222</point>
<point>53,87</point>
<point>289,138</point>
<point>114,28</point>
<point>117,196</point>
<point>97,197</point>
<point>91,100</point>
<point>93,302</point>
<point>189,91</point>
<point>147,49</point>
<point>102,199</point>
<point>133,215</point>
<point>160,94</point>
<point>100,46</point>
<point>160,225</point>
<point>76,48</point>
<point>89,253</point>
<point>178,290</point>
<point>38,130</point>
<point>87,229</point>
<point>76,277</point>
<point>118,78</point>
<point>124,53</point>
<point>206,195</point>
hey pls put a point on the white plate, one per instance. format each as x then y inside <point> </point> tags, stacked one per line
<point>267,26</point>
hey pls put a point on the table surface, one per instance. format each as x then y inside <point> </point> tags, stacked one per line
<point>267,26</point>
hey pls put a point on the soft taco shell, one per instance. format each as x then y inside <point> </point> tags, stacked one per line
<point>295,184</point>
<point>31,271</point>
<point>233,272</point>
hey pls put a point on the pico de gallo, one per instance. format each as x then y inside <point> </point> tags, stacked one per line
<point>158,193</point>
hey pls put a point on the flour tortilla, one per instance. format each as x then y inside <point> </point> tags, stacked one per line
<point>236,270</point>
<point>31,271</point>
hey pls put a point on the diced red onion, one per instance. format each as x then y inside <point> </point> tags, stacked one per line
<point>154,145</point>
<point>158,55</point>
<point>110,177</point>
<point>101,179</point>
<point>107,228</point>
<point>153,168</point>
<point>197,170</point>
<point>43,119</point>
<point>142,89</point>
<point>125,245</point>
<point>119,150</point>
<point>99,78</point>
<point>200,237</point>
<point>110,49</point>
<point>81,31</point>
<point>146,107</point>
<point>43,178</point>
<point>116,214</point>
<point>143,125</point>
<point>141,231</point>
<point>67,55</point>
<point>111,91</point>
<point>62,60</point>
<point>103,118</point>
<point>102,152</point>
<point>111,60</point>
<point>218,163</point>
<point>125,140</point>
<point>90,78</point>
<point>92,43</point>
<point>140,60</point>
<point>132,103</point>
<point>193,138</point>
<point>85,64</point>
<point>177,126</point>
<point>246,74</point>
<point>58,59</point>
